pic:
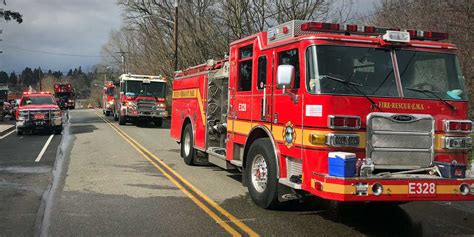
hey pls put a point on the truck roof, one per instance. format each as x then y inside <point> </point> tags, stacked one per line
<point>135,77</point>
<point>299,30</point>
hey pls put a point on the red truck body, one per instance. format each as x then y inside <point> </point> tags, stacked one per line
<point>38,111</point>
<point>65,96</point>
<point>287,102</point>
<point>140,98</point>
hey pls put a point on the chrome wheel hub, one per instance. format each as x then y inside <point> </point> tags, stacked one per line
<point>259,173</point>
<point>187,144</point>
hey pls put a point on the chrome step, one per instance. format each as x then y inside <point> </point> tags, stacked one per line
<point>217,157</point>
<point>237,163</point>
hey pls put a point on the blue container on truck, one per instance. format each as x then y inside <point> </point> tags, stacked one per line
<point>342,164</point>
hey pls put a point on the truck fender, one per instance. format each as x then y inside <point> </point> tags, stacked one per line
<point>260,131</point>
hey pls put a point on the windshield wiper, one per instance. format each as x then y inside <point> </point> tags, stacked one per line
<point>433,93</point>
<point>353,86</point>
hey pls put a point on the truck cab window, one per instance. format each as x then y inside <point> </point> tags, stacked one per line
<point>245,68</point>
<point>262,72</point>
<point>290,57</point>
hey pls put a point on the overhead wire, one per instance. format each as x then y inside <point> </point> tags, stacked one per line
<point>51,53</point>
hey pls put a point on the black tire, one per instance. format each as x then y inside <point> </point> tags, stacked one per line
<point>121,120</point>
<point>19,132</point>
<point>57,131</point>
<point>158,122</point>
<point>266,197</point>
<point>115,117</point>
<point>187,146</point>
<point>107,113</point>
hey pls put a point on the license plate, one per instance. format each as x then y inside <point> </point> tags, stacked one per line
<point>422,189</point>
<point>39,116</point>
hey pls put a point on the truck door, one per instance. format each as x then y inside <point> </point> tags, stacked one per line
<point>242,101</point>
<point>287,107</point>
<point>262,89</point>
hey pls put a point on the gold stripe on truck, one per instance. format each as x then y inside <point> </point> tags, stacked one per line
<point>191,94</point>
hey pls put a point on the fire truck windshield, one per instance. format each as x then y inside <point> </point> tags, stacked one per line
<point>110,91</point>
<point>436,72</point>
<point>373,70</point>
<point>138,88</point>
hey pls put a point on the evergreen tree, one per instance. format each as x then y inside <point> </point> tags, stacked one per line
<point>3,77</point>
<point>28,77</point>
<point>13,79</point>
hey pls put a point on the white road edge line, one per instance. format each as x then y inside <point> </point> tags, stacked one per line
<point>44,148</point>
<point>4,136</point>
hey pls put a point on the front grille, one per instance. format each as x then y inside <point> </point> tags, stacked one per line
<point>34,114</point>
<point>145,105</point>
<point>394,143</point>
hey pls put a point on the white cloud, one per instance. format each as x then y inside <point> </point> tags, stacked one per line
<point>57,26</point>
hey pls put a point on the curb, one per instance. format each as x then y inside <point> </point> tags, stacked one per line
<point>7,130</point>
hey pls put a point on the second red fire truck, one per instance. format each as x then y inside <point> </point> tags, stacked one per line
<point>140,98</point>
<point>108,98</point>
<point>65,96</point>
<point>343,112</point>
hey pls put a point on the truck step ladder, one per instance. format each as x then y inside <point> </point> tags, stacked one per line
<point>217,157</point>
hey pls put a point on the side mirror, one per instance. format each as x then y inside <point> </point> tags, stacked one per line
<point>285,75</point>
<point>285,78</point>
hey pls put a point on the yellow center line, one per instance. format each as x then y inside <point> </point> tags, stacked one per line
<point>142,150</point>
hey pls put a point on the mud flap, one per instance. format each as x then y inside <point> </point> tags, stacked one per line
<point>286,193</point>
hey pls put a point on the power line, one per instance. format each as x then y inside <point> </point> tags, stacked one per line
<point>51,53</point>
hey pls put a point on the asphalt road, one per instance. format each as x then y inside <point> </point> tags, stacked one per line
<point>24,181</point>
<point>128,180</point>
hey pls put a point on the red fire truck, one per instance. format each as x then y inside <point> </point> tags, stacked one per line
<point>343,112</point>
<point>108,98</point>
<point>64,94</point>
<point>140,98</point>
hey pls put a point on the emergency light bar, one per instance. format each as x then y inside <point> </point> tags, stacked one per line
<point>297,28</point>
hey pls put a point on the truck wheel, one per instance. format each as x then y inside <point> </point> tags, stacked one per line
<point>107,113</point>
<point>121,120</point>
<point>158,122</point>
<point>19,132</point>
<point>57,132</point>
<point>261,172</point>
<point>187,146</point>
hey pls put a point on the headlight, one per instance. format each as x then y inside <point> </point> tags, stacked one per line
<point>70,100</point>
<point>111,102</point>
<point>22,114</point>
<point>56,113</point>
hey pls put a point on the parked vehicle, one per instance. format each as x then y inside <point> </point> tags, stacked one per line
<point>140,98</point>
<point>65,96</point>
<point>343,112</point>
<point>38,112</point>
<point>108,98</point>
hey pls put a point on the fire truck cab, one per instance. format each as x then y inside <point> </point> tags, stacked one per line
<point>108,98</point>
<point>343,112</point>
<point>140,98</point>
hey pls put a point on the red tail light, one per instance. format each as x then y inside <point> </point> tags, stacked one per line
<point>430,35</point>
<point>315,26</point>
<point>413,33</point>
<point>344,122</point>
<point>464,126</point>
<point>351,28</point>
<point>369,29</point>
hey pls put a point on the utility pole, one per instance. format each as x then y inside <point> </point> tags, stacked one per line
<point>122,59</point>
<point>175,29</point>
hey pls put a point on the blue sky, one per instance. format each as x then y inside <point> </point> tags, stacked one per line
<point>74,29</point>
